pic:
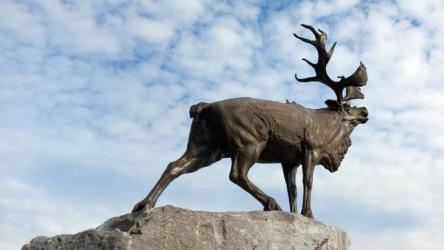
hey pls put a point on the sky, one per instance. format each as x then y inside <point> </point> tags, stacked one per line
<point>94,98</point>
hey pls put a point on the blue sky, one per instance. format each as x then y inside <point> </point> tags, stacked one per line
<point>94,97</point>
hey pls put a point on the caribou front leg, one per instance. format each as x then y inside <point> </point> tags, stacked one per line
<point>290,181</point>
<point>307,171</point>
<point>242,160</point>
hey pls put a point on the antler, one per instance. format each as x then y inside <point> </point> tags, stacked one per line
<point>352,83</point>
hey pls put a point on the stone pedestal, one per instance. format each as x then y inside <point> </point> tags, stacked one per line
<point>175,228</point>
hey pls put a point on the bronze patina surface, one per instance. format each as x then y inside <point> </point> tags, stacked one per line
<point>249,130</point>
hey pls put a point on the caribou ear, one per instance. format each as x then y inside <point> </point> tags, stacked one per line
<point>332,104</point>
<point>353,93</point>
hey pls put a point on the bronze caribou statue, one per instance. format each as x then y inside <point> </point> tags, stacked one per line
<point>249,130</point>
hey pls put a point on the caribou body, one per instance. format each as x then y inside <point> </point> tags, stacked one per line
<point>249,130</point>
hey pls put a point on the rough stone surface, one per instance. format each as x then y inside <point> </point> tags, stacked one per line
<point>175,228</point>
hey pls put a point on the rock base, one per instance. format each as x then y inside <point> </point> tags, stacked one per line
<point>175,228</point>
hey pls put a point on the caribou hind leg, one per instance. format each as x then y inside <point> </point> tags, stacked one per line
<point>290,181</point>
<point>188,163</point>
<point>242,160</point>
<point>200,153</point>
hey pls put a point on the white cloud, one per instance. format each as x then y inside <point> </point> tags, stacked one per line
<point>151,30</point>
<point>325,8</point>
<point>178,11</point>
<point>16,20</point>
<point>49,216</point>
<point>104,87</point>
<point>73,27</point>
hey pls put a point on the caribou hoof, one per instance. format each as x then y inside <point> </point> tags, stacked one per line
<point>272,206</point>
<point>307,213</point>
<point>140,206</point>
